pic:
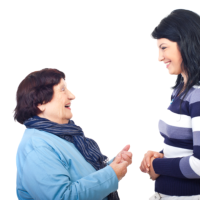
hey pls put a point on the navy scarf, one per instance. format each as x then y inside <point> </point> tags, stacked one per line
<point>74,134</point>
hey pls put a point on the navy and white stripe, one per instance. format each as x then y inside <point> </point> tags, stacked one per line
<point>181,132</point>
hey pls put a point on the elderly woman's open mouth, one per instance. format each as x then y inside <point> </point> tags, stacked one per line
<point>68,106</point>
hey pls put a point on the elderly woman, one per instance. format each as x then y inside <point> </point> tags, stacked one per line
<point>55,160</point>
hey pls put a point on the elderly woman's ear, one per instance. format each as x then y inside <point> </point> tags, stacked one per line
<point>41,107</point>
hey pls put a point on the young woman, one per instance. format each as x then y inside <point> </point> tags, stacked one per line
<point>176,168</point>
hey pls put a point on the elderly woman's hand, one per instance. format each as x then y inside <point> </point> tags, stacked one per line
<point>120,168</point>
<point>151,172</point>
<point>125,155</point>
<point>146,162</point>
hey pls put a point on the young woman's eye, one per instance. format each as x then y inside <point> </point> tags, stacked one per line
<point>63,89</point>
<point>164,48</point>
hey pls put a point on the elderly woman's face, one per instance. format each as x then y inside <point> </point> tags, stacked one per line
<point>58,109</point>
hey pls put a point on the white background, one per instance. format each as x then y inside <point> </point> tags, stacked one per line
<point>111,64</point>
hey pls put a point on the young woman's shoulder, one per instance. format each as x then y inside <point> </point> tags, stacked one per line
<point>193,95</point>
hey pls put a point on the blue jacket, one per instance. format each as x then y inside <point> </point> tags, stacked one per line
<point>49,167</point>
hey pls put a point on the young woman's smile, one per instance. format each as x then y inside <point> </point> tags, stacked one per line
<point>170,54</point>
<point>167,64</point>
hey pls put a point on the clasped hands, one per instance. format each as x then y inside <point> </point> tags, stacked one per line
<point>147,163</point>
<point>124,159</point>
<point>121,162</point>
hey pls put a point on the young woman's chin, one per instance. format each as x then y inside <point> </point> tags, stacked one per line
<point>172,72</point>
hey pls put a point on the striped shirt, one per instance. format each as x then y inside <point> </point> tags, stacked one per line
<point>180,168</point>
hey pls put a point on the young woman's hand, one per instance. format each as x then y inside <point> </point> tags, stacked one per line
<point>146,162</point>
<point>151,172</point>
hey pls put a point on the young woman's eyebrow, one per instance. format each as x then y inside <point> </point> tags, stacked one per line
<point>161,45</point>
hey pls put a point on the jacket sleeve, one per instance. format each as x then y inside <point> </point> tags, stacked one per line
<point>185,167</point>
<point>45,176</point>
<point>110,161</point>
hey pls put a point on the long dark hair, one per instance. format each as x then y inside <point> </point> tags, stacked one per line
<point>183,26</point>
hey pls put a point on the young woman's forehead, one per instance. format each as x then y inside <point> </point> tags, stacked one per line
<point>162,40</point>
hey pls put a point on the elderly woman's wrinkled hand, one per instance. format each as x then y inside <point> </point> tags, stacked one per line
<point>120,168</point>
<point>125,155</point>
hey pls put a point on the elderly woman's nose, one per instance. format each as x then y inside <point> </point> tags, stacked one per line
<point>70,95</point>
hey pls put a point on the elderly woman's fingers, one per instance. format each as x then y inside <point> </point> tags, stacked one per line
<point>119,168</point>
<point>129,154</point>
<point>125,157</point>
<point>126,148</point>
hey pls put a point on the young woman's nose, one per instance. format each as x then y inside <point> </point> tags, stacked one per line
<point>160,56</point>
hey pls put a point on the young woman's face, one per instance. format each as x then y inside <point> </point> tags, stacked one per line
<point>169,53</point>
